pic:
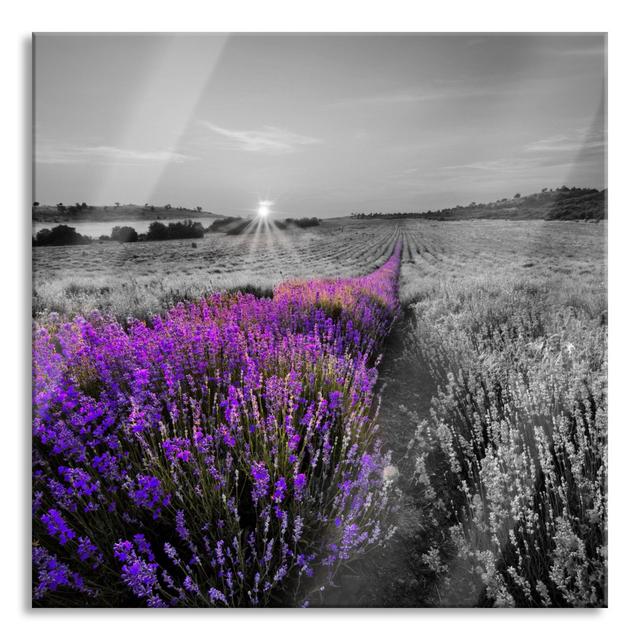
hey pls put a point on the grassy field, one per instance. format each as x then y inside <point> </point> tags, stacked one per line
<point>437,253</point>
<point>145,278</point>
<point>493,389</point>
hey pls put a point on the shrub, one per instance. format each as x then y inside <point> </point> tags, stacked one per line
<point>58,236</point>
<point>124,234</point>
<point>157,231</point>
<point>175,231</point>
<point>515,444</point>
<point>303,223</point>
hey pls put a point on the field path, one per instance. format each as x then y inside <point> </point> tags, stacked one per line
<point>394,575</point>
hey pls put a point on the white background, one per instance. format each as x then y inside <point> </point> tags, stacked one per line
<point>20,19</point>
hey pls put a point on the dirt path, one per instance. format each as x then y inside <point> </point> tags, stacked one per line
<point>394,576</point>
<point>397,575</point>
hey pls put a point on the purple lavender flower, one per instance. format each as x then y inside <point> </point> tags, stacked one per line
<point>335,398</point>
<point>143,546</point>
<point>106,465</point>
<point>181,527</point>
<point>299,483</point>
<point>190,585</point>
<point>280,489</point>
<point>136,572</point>
<point>51,573</point>
<point>57,527</point>
<point>88,551</point>
<point>177,450</point>
<point>80,480</point>
<point>156,602</point>
<point>261,480</point>
<point>217,596</point>
<point>149,494</point>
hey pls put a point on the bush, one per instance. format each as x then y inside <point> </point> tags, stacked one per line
<point>175,231</point>
<point>124,234</point>
<point>303,223</point>
<point>157,231</point>
<point>59,236</point>
<point>514,449</point>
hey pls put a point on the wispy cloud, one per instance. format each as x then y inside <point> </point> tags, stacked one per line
<point>499,165</point>
<point>561,150</point>
<point>559,153</point>
<point>417,96</point>
<point>67,154</point>
<point>571,142</point>
<point>271,140</point>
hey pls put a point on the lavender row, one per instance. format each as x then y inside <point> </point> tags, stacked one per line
<point>221,454</point>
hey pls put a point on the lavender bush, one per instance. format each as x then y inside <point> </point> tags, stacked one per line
<point>513,453</point>
<point>222,454</point>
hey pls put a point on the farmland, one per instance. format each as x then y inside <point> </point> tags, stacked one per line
<point>489,438</point>
<point>143,278</point>
<point>494,403</point>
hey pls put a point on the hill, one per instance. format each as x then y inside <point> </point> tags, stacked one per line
<point>81,212</point>
<point>565,203</point>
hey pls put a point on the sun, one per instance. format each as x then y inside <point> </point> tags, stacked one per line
<point>264,208</point>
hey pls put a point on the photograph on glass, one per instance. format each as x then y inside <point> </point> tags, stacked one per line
<point>319,320</point>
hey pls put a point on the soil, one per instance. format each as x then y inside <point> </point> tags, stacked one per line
<point>394,575</point>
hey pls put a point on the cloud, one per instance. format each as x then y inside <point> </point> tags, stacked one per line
<point>499,165</point>
<point>417,96</point>
<point>265,140</point>
<point>553,158</point>
<point>561,151</point>
<point>52,154</point>
<point>572,142</point>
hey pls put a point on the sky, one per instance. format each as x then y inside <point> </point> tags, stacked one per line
<point>319,125</point>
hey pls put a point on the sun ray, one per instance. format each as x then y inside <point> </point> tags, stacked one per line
<point>266,243</point>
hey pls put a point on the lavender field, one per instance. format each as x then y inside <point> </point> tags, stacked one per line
<point>224,453</point>
<point>425,425</point>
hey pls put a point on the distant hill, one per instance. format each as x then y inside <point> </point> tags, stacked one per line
<point>565,203</point>
<point>81,212</point>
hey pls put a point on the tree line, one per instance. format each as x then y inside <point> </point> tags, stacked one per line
<point>544,197</point>
<point>66,235</point>
<point>188,230</point>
